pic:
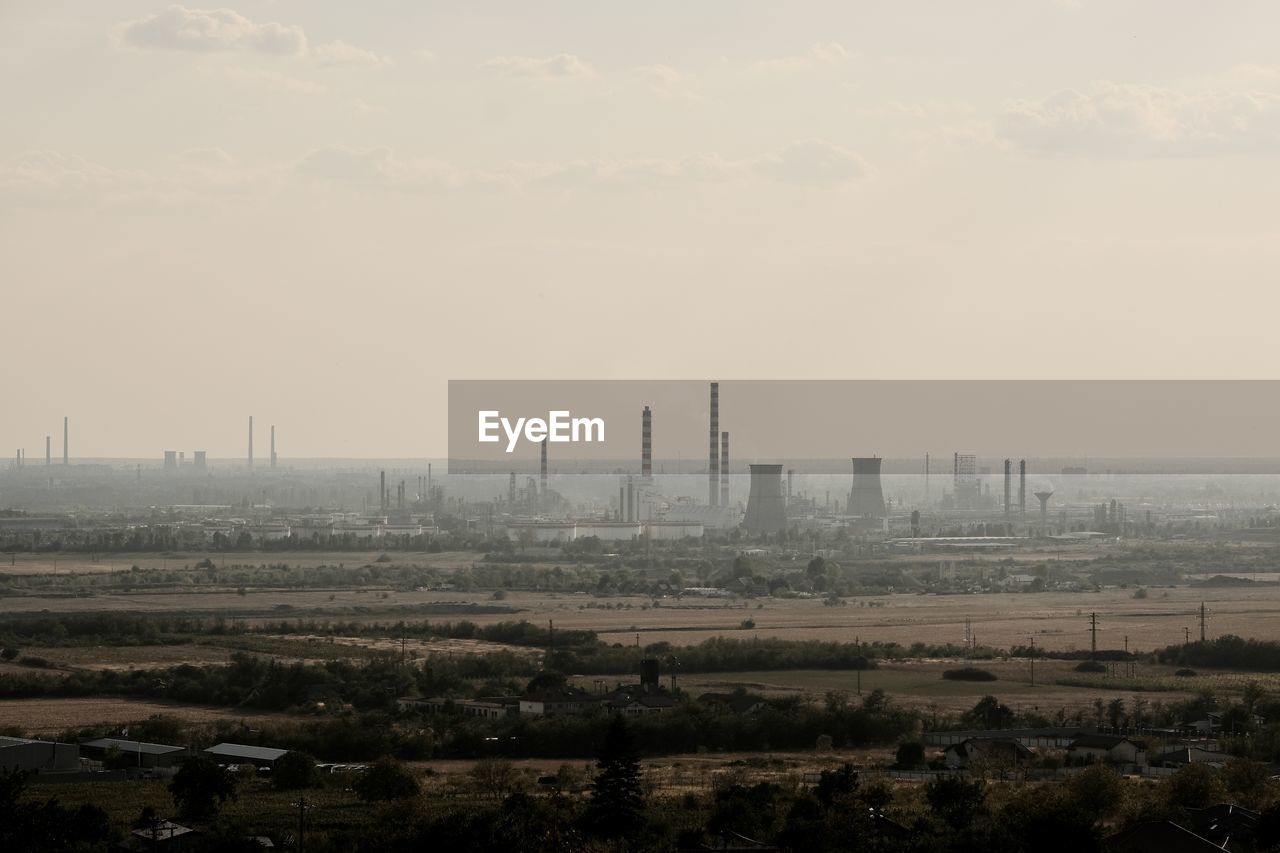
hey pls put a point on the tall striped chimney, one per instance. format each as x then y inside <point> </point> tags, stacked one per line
<point>646,444</point>
<point>543,483</point>
<point>66,447</point>
<point>273,445</point>
<point>713,467</point>
<point>724,469</point>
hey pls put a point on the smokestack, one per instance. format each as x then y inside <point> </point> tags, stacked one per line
<point>646,444</point>
<point>631,500</point>
<point>1022,489</point>
<point>791,472</point>
<point>66,445</point>
<point>511,491</point>
<point>1008,487</point>
<point>250,441</point>
<point>48,450</point>
<point>713,467</point>
<point>724,469</point>
<point>273,445</point>
<point>543,484</point>
<point>382,490</point>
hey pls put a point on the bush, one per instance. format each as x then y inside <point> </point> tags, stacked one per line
<point>1091,666</point>
<point>910,754</point>
<point>969,673</point>
<point>1186,673</point>
<point>294,770</point>
<point>386,780</point>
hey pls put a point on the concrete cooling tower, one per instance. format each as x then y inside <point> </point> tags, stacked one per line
<point>766,507</point>
<point>866,499</point>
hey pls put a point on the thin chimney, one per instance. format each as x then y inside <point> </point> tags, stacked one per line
<point>66,446</point>
<point>250,441</point>
<point>724,469</point>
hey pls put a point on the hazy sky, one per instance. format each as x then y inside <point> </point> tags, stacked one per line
<point>318,213</point>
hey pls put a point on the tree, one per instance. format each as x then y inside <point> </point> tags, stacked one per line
<point>294,770</point>
<point>956,800</point>
<point>910,754</point>
<point>616,808</point>
<point>989,714</point>
<point>386,780</point>
<point>200,787</point>
<point>1248,780</point>
<point>1193,787</point>
<point>494,776</point>
<point>1115,712</point>
<point>1096,791</point>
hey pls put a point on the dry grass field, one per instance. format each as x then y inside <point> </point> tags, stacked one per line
<point>48,563</point>
<point>51,716</point>
<point>1057,620</point>
<point>920,684</point>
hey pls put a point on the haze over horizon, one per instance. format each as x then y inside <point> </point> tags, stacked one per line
<point>320,213</point>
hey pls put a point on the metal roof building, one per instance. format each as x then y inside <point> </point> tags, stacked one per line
<point>39,756</point>
<point>133,752</point>
<point>263,756</point>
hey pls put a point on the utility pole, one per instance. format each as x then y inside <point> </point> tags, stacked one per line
<point>1202,621</point>
<point>1093,633</point>
<point>1186,636</point>
<point>1033,661</point>
<point>302,805</point>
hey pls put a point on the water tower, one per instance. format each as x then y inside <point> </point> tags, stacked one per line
<point>1043,497</point>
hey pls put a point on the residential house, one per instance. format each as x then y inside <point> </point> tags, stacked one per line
<point>1113,749</point>
<point>986,753</point>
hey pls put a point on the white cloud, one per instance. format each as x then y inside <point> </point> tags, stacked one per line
<point>214,30</point>
<point>194,177</point>
<point>380,168</point>
<point>341,53</point>
<point>560,65</point>
<point>275,80</point>
<point>1131,120</point>
<point>180,28</point>
<point>815,163</point>
<point>818,56</point>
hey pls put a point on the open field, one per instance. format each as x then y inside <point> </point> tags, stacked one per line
<point>56,563</point>
<point>51,716</point>
<point>1057,620</point>
<point>920,684</point>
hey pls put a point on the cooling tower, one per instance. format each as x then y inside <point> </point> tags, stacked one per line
<point>766,507</point>
<point>866,499</point>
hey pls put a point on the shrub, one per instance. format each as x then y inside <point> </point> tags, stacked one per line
<point>969,673</point>
<point>1186,673</point>
<point>386,780</point>
<point>1091,666</point>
